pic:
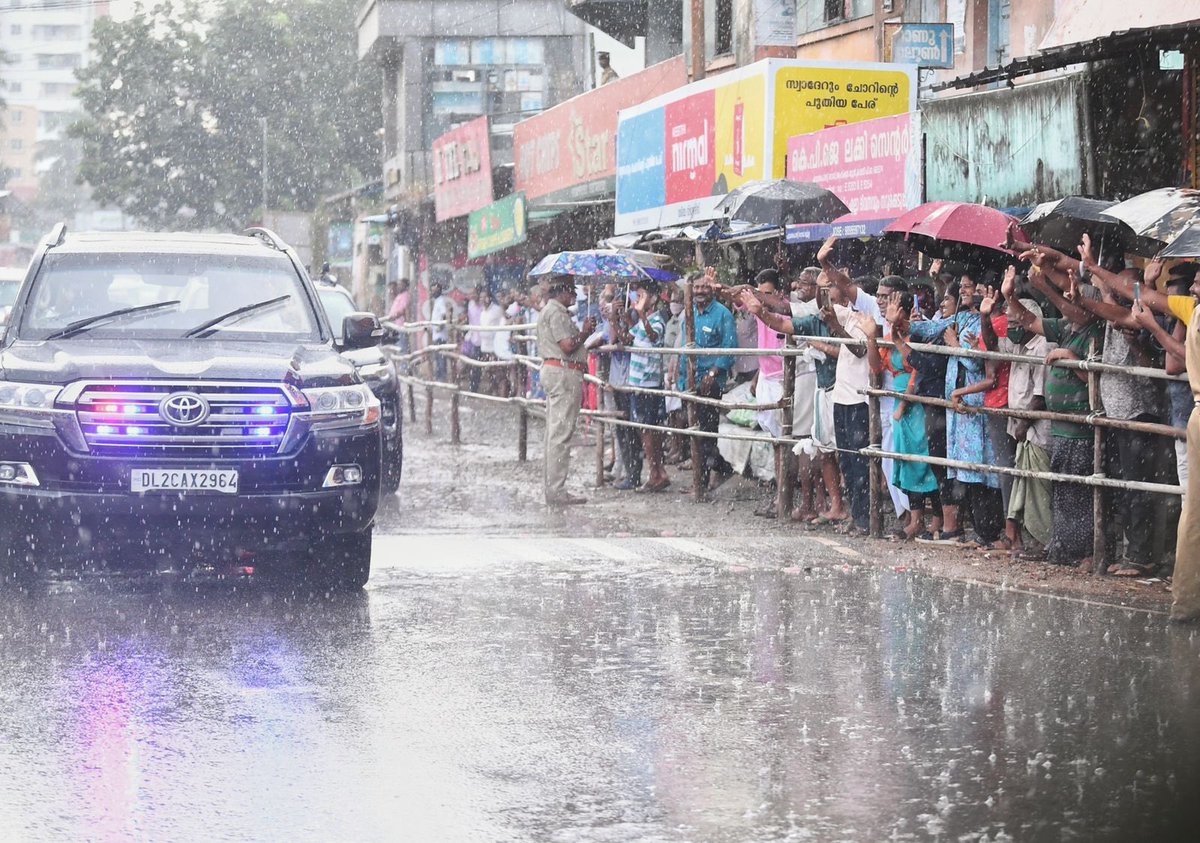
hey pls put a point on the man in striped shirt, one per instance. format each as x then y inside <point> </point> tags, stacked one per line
<point>647,330</point>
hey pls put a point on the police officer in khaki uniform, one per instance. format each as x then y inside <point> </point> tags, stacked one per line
<point>560,345</point>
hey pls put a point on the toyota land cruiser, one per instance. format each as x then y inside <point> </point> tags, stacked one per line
<point>172,395</point>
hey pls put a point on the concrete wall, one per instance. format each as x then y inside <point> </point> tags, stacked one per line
<point>1008,147</point>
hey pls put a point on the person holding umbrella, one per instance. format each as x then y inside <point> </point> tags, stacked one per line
<point>560,345</point>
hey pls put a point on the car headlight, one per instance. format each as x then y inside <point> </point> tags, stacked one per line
<point>26,401</point>
<point>342,406</point>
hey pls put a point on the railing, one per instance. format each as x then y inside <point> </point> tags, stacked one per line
<point>783,445</point>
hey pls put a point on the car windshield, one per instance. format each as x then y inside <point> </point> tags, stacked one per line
<point>71,289</point>
<point>338,305</point>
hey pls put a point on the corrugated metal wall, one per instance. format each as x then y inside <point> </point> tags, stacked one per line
<point>1008,147</point>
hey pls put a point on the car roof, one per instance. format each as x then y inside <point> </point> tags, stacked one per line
<point>152,242</point>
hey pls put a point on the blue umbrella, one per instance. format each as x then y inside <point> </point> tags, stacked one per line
<point>593,264</point>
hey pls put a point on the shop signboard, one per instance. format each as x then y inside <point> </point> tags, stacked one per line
<point>873,166</point>
<point>679,154</point>
<point>498,226</point>
<point>922,44</point>
<point>462,170</point>
<point>568,153</point>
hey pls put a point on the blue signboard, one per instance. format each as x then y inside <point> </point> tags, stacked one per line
<point>924,44</point>
<point>641,162</point>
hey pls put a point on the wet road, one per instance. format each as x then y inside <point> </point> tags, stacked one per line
<point>572,689</point>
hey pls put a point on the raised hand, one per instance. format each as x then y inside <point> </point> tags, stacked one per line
<point>935,268</point>
<point>867,324</point>
<point>1072,294</point>
<point>826,251</point>
<point>1085,251</point>
<point>710,276</point>
<point>990,296</point>
<point>1153,272</point>
<point>1035,256</point>
<point>1143,315</point>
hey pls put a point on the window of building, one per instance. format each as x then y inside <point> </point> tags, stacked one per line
<point>813,15</point>
<point>56,32</point>
<point>58,89</point>
<point>14,29</point>
<point>16,144</point>
<point>15,87</point>
<point>718,28</point>
<point>17,117</point>
<point>58,61</point>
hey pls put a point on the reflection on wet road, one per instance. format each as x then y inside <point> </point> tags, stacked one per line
<point>591,689</point>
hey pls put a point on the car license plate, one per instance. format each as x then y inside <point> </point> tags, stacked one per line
<point>224,481</point>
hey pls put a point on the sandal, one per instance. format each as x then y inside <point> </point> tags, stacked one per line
<point>928,538</point>
<point>1133,569</point>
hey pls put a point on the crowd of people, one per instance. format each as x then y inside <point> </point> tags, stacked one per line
<point>856,332</point>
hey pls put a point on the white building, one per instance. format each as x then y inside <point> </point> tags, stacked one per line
<point>45,42</point>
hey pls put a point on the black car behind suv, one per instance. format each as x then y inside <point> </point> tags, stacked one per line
<point>181,395</point>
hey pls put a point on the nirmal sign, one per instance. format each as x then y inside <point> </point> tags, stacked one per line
<point>680,153</point>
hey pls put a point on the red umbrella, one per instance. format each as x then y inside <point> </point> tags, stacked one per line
<point>941,225</point>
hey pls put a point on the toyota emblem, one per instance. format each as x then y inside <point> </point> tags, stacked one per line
<point>184,409</point>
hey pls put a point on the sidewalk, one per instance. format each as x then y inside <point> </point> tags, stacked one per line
<point>480,488</point>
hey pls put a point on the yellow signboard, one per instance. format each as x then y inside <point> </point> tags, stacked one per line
<point>812,98</point>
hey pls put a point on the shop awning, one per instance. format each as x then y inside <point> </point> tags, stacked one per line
<point>1073,39</point>
<point>622,19</point>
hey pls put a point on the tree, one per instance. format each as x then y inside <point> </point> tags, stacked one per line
<point>176,106</point>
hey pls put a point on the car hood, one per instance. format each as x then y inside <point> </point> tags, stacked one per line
<point>67,360</point>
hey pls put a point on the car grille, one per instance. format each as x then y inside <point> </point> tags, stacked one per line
<point>128,419</point>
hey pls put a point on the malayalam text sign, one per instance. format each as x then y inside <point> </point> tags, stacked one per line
<point>922,44</point>
<point>569,151</point>
<point>811,97</point>
<point>496,227</point>
<point>679,154</point>
<point>873,166</point>
<point>462,170</point>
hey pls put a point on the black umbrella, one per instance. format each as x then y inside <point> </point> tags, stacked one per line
<point>782,202</point>
<point>1186,245</point>
<point>1157,217</point>
<point>1063,223</point>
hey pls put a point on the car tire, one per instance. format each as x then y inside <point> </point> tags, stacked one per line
<point>341,562</point>
<point>393,455</point>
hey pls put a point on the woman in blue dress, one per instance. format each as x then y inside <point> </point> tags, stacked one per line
<point>916,479</point>
<point>966,427</point>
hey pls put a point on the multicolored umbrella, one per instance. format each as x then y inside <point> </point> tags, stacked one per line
<point>589,265</point>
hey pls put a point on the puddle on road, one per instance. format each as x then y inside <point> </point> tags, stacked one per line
<point>836,703</point>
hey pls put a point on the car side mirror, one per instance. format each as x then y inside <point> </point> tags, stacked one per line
<point>361,330</point>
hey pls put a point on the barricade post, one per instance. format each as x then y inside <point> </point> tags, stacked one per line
<point>412,403</point>
<point>598,429</point>
<point>693,408</point>
<point>875,467</point>
<point>455,421</point>
<point>785,460</point>
<point>1099,541</point>
<point>429,410</point>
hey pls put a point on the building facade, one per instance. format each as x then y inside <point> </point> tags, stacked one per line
<point>45,42</point>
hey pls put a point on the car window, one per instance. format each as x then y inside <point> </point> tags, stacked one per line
<point>338,305</point>
<point>74,287</point>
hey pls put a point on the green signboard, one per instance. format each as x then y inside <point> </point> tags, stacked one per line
<point>498,226</point>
